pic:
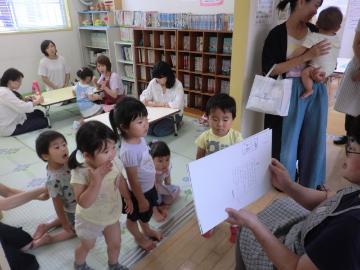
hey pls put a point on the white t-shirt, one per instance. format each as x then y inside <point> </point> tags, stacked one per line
<point>174,96</point>
<point>55,70</point>
<point>114,83</point>
<point>12,111</point>
<point>327,62</point>
<point>137,155</point>
<point>292,45</point>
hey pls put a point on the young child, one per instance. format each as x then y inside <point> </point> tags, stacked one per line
<point>129,117</point>
<point>51,147</point>
<point>221,111</point>
<point>85,94</point>
<point>99,186</point>
<point>329,22</point>
<point>167,193</point>
<point>109,82</point>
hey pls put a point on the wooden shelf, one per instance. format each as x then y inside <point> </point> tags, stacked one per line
<point>201,60</point>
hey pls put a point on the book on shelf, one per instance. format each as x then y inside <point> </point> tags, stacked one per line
<point>212,64</point>
<point>128,87</point>
<point>162,57</point>
<point>198,102</point>
<point>186,42</point>
<point>186,100</point>
<point>226,66</point>
<point>186,61</point>
<point>151,40</point>
<point>142,73</point>
<point>129,71</point>
<point>141,55</point>
<point>151,57</point>
<point>199,43</point>
<point>173,60</point>
<point>126,34</point>
<point>127,53</point>
<point>142,86</point>
<point>211,85</point>
<point>161,40</point>
<point>198,63</point>
<point>212,44</point>
<point>227,46</point>
<point>225,87</point>
<point>186,81</point>
<point>172,42</point>
<point>197,83</point>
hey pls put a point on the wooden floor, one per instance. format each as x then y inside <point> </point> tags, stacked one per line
<point>186,249</point>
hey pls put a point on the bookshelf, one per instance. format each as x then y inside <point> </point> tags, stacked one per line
<point>124,55</point>
<point>97,35</point>
<point>151,46</point>
<point>200,58</point>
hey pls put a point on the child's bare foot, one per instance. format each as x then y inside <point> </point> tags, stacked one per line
<point>157,215</point>
<point>44,240</point>
<point>145,244</point>
<point>40,231</point>
<point>152,234</point>
<point>164,211</point>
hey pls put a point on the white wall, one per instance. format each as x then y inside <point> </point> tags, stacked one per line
<point>22,51</point>
<point>177,6</point>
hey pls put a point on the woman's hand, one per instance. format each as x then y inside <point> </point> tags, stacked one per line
<point>37,100</point>
<point>280,177</point>
<point>321,48</point>
<point>242,217</point>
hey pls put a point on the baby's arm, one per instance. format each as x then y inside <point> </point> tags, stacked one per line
<point>200,153</point>
<point>59,209</point>
<point>136,189</point>
<point>124,191</point>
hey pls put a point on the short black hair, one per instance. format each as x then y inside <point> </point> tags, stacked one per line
<point>44,140</point>
<point>10,74</point>
<point>162,69</point>
<point>84,72</point>
<point>126,111</point>
<point>44,45</point>
<point>354,130</point>
<point>105,61</point>
<point>223,102</point>
<point>330,19</point>
<point>159,149</point>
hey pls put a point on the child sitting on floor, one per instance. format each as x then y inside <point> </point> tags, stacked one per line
<point>221,112</point>
<point>167,193</point>
<point>85,95</point>
<point>51,147</point>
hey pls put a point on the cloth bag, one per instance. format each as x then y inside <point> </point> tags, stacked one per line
<point>270,96</point>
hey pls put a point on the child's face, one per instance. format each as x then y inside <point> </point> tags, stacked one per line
<point>87,80</point>
<point>161,163</point>
<point>103,155</point>
<point>14,85</point>
<point>51,50</point>
<point>58,153</point>
<point>101,68</point>
<point>138,128</point>
<point>220,122</point>
<point>161,81</point>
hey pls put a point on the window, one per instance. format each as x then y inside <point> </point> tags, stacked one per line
<point>33,15</point>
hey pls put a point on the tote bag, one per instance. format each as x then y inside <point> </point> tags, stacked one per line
<point>270,96</point>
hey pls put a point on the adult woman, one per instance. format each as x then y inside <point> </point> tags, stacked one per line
<point>348,99</point>
<point>302,134</point>
<point>14,240</point>
<point>53,69</point>
<point>17,115</point>
<point>164,90</point>
<point>286,235</point>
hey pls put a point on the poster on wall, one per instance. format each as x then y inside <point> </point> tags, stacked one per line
<point>353,15</point>
<point>264,12</point>
<point>211,2</point>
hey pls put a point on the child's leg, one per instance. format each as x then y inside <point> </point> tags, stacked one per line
<point>307,81</point>
<point>157,214</point>
<point>50,238</point>
<point>140,239</point>
<point>83,249</point>
<point>112,236</point>
<point>44,227</point>
<point>149,232</point>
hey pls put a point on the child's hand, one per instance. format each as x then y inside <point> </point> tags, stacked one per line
<point>44,195</point>
<point>129,207</point>
<point>99,173</point>
<point>144,205</point>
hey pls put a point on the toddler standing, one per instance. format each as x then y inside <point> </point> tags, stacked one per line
<point>98,185</point>
<point>221,111</point>
<point>130,118</point>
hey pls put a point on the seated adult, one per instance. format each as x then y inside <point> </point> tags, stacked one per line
<point>53,69</point>
<point>164,90</point>
<point>17,114</point>
<point>14,240</point>
<point>286,235</point>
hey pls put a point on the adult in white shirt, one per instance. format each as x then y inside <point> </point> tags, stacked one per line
<point>54,71</point>
<point>164,90</point>
<point>17,115</point>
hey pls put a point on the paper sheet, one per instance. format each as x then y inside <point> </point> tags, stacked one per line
<point>233,177</point>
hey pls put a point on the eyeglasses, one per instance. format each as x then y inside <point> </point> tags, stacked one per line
<point>349,147</point>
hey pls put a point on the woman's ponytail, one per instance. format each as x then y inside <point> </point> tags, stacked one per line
<point>113,124</point>
<point>72,162</point>
<point>282,4</point>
